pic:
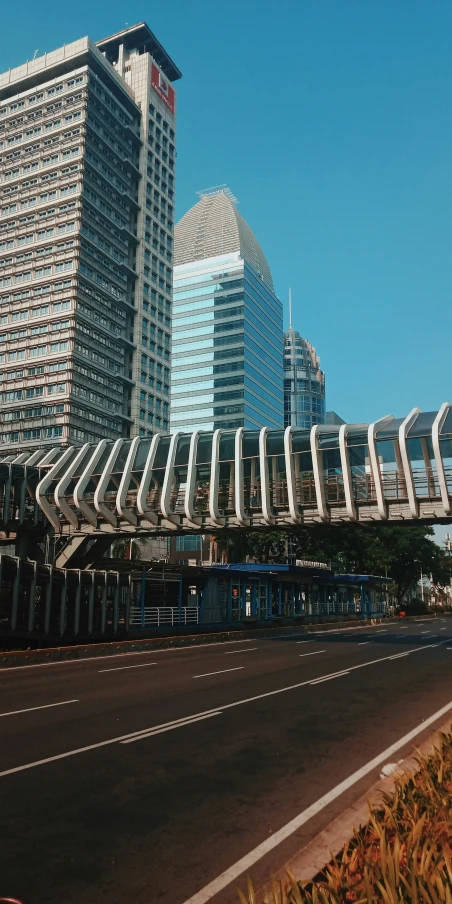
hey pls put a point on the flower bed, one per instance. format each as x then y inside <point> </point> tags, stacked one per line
<point>402,856</point>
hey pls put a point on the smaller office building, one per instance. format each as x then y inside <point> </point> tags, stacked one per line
<point>304,383</point>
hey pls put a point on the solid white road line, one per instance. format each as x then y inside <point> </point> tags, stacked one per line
<point>328,678</point>
<point>315,653</point>
<point>221,672</point>
<point>63,756</point>
<point>248,650</point>
<point>206,646</point>
<point>280,690</point>
<point>32,709</point>
<point>156,731</point>
<point>44,665</point>
<point>122,668</point>
<point>246,862</point>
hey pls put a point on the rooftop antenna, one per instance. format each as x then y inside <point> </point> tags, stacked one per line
<point>290,309</point>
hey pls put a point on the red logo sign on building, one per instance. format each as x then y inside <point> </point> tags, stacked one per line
<point>163,88</point>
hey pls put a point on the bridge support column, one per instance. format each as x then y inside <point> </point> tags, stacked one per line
<point>103,624</point>
<point>48,601</point>
<point>63,605</point>
<point>32,599</point>
<point>78,594</point>
<point>179,601</point>
<point>26,547</point>
<point>128,598</point>
<point>91,604</point>
<point>15,597</point>
<point>116,603</point>
<point>143,597</point>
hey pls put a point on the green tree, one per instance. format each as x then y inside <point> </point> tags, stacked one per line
<point>234,543</point>
<point>400,551</point>
<point>243,544</point>
<point>266,545</point>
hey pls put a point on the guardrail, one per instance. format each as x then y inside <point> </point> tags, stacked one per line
<point>163,615</point>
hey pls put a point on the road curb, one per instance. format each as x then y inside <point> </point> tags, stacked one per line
<point>316,855</point>
<point>87,651</point>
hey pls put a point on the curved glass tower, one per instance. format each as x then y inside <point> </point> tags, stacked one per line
<point>227,323</point>
<point>304,383</point>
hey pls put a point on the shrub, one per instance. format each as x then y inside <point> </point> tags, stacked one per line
<point>403,854</point>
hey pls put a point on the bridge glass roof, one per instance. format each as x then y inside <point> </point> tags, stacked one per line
<point>357,435</point>
<point>391,430</point>
<point>183,449</point>
<point>142,454</point>
<point>275,441</point>
<point>423,424</point>
<point>329,440</point>
<point>250,444</point>
<point>161,454</point>
<point>447,426</point>
<point>204,450</point>
<point>121,459</point>
<point>227,446</point>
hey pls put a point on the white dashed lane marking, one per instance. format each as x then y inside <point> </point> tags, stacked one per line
<point>221,672</point>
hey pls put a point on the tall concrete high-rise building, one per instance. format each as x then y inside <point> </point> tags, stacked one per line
<point>227,323</point>
<point>87,148</point>
<point>304,381</point>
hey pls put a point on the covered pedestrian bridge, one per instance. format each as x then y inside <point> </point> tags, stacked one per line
<point>392,470</point>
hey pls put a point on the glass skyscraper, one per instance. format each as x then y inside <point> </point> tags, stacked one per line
<point>227,323</point>
<point>304,383</point>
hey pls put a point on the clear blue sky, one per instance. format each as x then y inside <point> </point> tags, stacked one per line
<point>331,122</point>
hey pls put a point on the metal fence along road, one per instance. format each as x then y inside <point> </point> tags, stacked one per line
<point>162,615</point>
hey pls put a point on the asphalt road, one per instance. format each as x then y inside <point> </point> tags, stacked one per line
<point>157,772</point>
